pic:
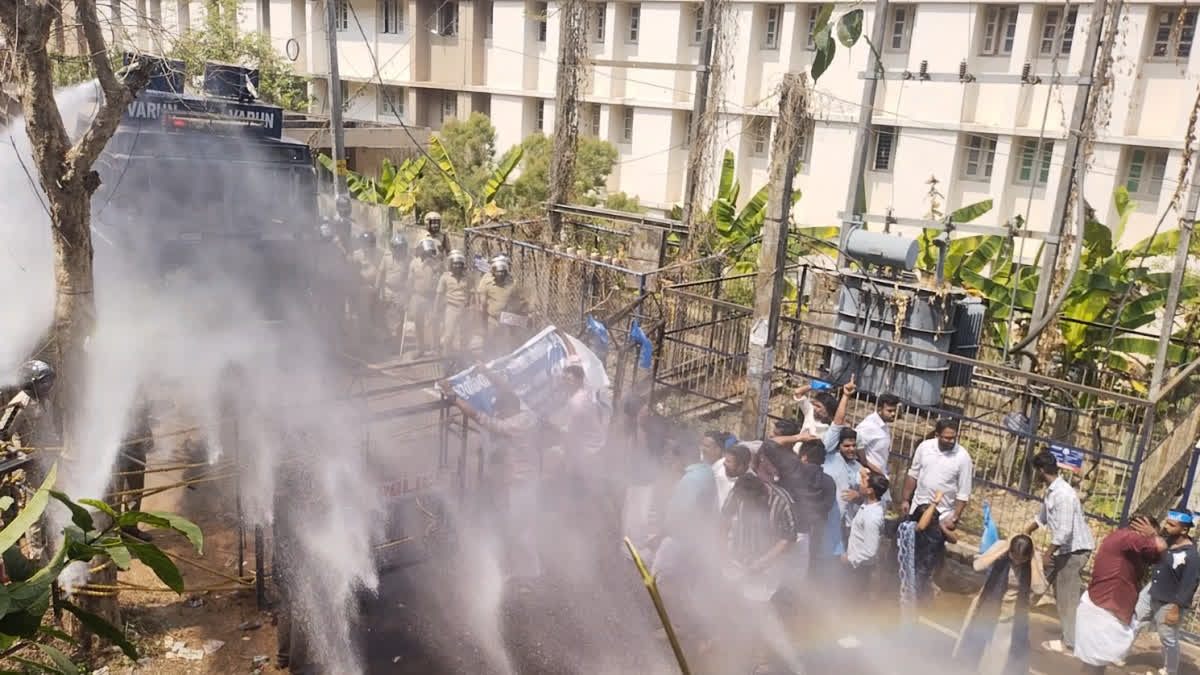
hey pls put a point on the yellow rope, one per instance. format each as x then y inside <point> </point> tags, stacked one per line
<point>146,492</point>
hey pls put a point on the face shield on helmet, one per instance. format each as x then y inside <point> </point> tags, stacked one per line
<point>36,378</point>
<point>458,261</point>
<point>398,244</point>
<point>500,267</point>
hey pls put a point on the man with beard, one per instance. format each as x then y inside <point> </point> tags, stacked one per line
<point>940,464</point>
<point>875,434</point>
<point>1167,599</point>
<point>842,465</point>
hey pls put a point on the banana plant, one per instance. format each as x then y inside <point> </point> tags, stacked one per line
<point>487,208</point>
<point>396,186</point>
<point>1112,286</point>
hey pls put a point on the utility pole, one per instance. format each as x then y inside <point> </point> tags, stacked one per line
<point>772,255</point>
<point>699,144</point>
<point>1186,225</point>
<point>572,53</point>
<point>862,137</point>
<point>341,199</point>
<point>1071,155</point>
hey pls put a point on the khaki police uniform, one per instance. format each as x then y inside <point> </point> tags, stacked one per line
<point>452,296</point>
<point>500,297</point>
<point>422,283</point>
<point>395,291</point>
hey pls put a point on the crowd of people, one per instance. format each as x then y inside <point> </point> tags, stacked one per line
<point>369,288</point>
<point>768,522</point>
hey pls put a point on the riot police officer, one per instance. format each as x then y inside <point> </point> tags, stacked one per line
<point>502,305</point>
<point>433,230</point>
<point>452,302</point>
<point>367,259</point>
<point>423,275</point>
<point>395,283</point>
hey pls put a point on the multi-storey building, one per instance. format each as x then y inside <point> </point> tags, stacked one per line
<point>441,59</point>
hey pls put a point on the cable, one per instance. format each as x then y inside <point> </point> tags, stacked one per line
<point>407,131</point>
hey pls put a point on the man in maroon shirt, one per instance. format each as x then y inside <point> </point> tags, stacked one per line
<point>1103,624</point>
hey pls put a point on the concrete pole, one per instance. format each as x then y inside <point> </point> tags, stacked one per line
<point>697,151</point>
<point>1186,225</point>
<point>341,198</point>
<point>862,137</point>
<point>1070,157</point>
<point>772,255</point>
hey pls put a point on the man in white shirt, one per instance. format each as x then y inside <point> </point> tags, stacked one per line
<point>1071,544</point>
<point>875,433</point>
<point>712,451</point>
<point>940,464</point>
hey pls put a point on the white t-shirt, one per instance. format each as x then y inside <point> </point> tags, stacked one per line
<point>724,482</point>
<point>875,436</point>
<point>585,421</point>
<point>947,472</point>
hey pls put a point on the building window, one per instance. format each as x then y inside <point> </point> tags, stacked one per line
<point>1173,34</point>
<point>884,155</point>
<point>447,19</point>
<point>804,140</point>
<point>391,16</point>
<point>1144,175</point>
<point>1056,32</point>
<point>760,130</point>
<point>813,12</point>
<point>899,29</point>
<point>697,24</point>
<point>491,21</point>
<point>635,22</point>
<point>596,120</point>
<point>979,156</point>
<point>627,125</point>
<point>999,30</point>
<point>1031,164</point>
<point>599,18</point>
<point>391,103</point>
<point>449,105</point>
<point>540,9</point>
<point>539,119</point>
<point>343,16</point>
<point>771,28</point>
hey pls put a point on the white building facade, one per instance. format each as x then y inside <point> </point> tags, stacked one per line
<point>443,59</point>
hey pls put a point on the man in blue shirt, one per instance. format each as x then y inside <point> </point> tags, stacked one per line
<point>842,465</point>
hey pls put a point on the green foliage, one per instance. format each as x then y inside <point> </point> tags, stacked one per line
<point>220,41</point>
<point>594,161</point>
<point>396,186</point>
<point>67,70</point>
<point>1106,275</point>
<point>848,29</point>
<point>619,201</point>
<point>466,170</point>
<point>25,602</point>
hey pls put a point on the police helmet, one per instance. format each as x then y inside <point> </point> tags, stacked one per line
<point>326,232</point>
<point>366,239</point>
<point>500,265</point>
<point>433,221</point>
<point>457,259</point>
<point>427,247</point>
<point>398,244</point>
<point>499,257</point>
<point>342,207</point>
<point>36,378</point>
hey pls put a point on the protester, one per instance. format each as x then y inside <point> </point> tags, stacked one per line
<point>815,412</point>
<point>866,530</point>
<point>712,449</point>
<point>1167,599</point>
<point>940,465</point>
<point>761,529</point>
<point>646,439</point>
<point>1104,629</point>
<point>921,545</point>
<point>1071,545</point>
<point>875,433</point>
<point>841,461</point>
<point>995,635</point>
<point>819,503</point>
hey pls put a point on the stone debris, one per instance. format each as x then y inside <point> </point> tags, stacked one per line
<point>250,625</point>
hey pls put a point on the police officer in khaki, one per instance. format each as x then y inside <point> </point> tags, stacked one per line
<point>502,304</point>
<point>433,230</point>
<point>395,283</point>
<point>423,275</point>
<point>367,258</point>
<point>452,303</point>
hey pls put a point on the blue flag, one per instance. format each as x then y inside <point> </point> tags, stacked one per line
<point>645,348</point>
<point>596,328</point>
<point>990,534</point>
